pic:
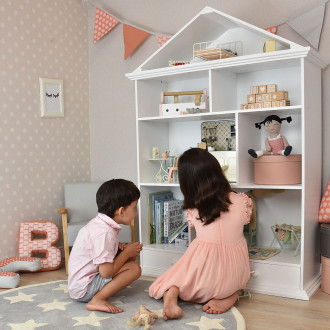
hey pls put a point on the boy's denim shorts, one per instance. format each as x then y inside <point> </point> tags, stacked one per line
<point>94,287</point>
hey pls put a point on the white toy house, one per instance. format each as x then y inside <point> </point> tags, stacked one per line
<point>226,58</point>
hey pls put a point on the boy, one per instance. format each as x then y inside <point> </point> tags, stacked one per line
<point>96,270</point>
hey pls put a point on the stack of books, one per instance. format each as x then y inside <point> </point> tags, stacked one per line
<point>166,219</point>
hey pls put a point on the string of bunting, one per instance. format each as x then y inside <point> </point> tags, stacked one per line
<point>133,35</point>
<point>308,24</point>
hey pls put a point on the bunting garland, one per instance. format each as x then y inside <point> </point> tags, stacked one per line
<point>308,24</point>
<point>133,36</point>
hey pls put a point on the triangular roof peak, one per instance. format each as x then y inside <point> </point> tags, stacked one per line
<point>210,25</point>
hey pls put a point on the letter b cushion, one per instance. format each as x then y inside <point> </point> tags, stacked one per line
<point>29,246</point>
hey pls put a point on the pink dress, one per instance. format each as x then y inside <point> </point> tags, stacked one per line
<point>216,263</point>
<point>276,144</point>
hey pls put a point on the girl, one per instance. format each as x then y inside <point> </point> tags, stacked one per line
<point>216,264</point>
<point>275,143</point>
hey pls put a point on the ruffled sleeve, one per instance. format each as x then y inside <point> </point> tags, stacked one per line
<point>248,208</point>
<point>190,215</point>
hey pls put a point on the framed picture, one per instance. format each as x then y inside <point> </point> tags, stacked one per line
<point>51,97</point>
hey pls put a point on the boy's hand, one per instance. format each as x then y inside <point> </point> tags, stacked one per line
<point>133,249</point>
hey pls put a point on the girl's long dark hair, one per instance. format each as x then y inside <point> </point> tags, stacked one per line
<point>203,184</point>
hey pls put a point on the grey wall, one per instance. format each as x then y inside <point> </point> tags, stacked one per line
<point>112,107</point>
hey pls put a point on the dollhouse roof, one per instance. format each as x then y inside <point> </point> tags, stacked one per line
<point>209,25</point>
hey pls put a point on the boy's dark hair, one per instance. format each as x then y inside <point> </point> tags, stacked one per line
<point>203,184</point>
<point>114,194</point>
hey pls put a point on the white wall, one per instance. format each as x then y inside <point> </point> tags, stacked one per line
<point>112,109</point>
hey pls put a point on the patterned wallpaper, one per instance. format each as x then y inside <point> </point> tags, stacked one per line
<point>40,38</point>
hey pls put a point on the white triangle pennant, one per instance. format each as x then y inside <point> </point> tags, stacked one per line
<point>309,24</point>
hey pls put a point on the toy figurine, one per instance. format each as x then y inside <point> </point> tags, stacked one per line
<point>143,317</point>
<point>276,144</point>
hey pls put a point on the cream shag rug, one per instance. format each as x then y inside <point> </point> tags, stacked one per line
<point>48,306</point>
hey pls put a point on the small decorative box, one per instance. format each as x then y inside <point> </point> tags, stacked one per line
<point>262,89</point>
<point>277,169</point>
<point>244,106</point>
<point>251,98</point>
<point>266,97</point>
<point>271,88</point>
<point>281,103</point>
<point>281,95</point>
<point>284,103</point>
<point>259,98</point>
<point>254,89</point>
<point>267,104</point>
<point>269,46</point>
<point>255,105</point>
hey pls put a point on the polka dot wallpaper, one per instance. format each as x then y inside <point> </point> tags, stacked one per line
<point>40,38</point>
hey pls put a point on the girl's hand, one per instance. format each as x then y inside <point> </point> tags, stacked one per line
<point>122,246</point>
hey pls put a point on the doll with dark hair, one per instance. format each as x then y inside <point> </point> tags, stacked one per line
<point>275,143</point>
<point>216,263</point>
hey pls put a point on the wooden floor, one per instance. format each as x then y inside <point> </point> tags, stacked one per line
<point>261,312</point>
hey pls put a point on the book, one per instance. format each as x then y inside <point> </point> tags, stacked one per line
<point>177,232</point>
<point>159,220</point>
<point>173,217</point>
<point>152,197</point>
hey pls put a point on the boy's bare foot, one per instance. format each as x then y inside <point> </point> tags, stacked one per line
<point>171,309</point>
<point>103,306</point>
<point>218,306</point>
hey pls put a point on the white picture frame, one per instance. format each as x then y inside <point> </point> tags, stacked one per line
<point>51,98</point>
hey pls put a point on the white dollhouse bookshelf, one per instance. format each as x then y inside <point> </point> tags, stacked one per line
<point>293,68</point>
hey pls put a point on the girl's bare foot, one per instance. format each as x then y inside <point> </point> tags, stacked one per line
<point>218,306</point>
<point>103,306</point>
<point>171,309</point>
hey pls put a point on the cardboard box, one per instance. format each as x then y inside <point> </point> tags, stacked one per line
<point>281,103</point>
<point>251,98</point>
<point>269,46</point>
<point>259,98</point>
<point>271,88</point>
<point>281,95</point>
<point>254,89</point>
<point>262,89</point>
<point>244,106</point>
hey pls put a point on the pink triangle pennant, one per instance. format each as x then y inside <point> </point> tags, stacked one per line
<point>272,29</point>
<point>103,24</point>
<point>133,37</point>
<point>162,40</point>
